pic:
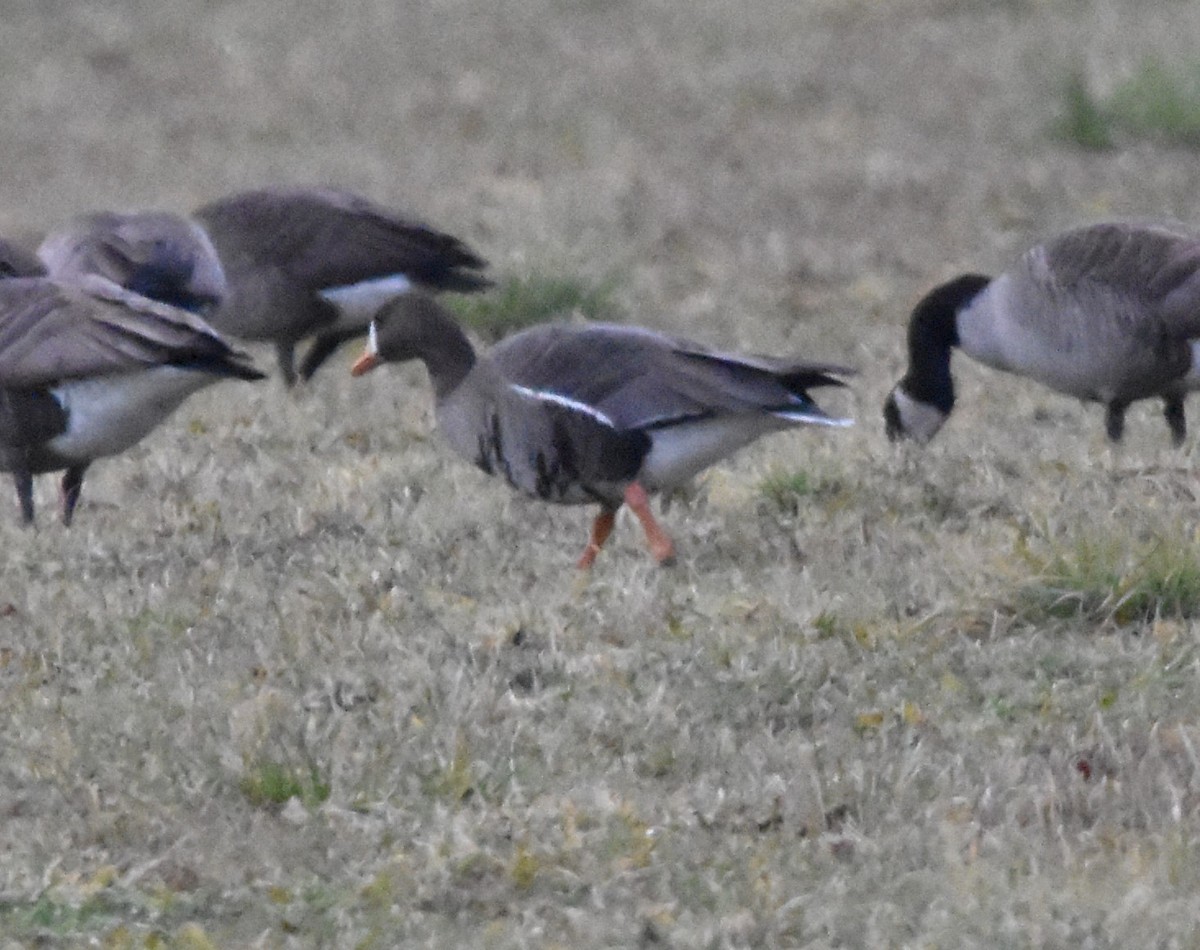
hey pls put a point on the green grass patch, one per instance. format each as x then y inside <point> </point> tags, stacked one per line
<point>520,302</point>
<point>270,784</point>
<point>1084,120</point>
<point>787,490</point>
<point>1106,578</point>
<point>1158,102</point>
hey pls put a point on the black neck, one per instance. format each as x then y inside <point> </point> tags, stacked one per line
<point>932,333</point>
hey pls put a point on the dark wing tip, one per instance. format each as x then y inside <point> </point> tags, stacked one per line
<point>814,376</point>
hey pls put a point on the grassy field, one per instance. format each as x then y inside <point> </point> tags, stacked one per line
<point>297,677</point>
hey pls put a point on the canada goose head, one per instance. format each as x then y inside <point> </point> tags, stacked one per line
<point>922,401</point>
<point>159,255</point>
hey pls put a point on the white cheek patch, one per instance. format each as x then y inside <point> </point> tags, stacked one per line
<point>920,420</point>
<point>545,395</point>
<point>372,339</point>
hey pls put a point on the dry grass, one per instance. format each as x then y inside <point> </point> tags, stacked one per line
<point>298,678</point>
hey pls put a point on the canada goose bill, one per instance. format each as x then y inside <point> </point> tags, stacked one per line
<point>1107,313</point>
<point>598,414</point>
<point>318,263</point>
<point>88,368</point>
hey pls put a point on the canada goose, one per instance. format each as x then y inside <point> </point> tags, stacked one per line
<point>318,262</point>
<point>597,414</point>
<point>1108,313</point>
<point>88,367</point>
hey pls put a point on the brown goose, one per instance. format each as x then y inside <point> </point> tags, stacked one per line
<point>601,414</point>
<point>318,262</point>
<point>88,368</point>
<point>1109,313</point>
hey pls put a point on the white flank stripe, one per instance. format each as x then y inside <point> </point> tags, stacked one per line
<point>545,395</point>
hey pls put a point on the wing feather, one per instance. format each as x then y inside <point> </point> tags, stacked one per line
<point>325,237</point>
<point>639,378</point>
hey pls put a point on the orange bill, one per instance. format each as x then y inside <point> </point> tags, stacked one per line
<point>365,363</point>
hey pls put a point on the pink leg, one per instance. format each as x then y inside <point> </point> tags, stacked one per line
<point>601,529</point>
<point>639,503</point>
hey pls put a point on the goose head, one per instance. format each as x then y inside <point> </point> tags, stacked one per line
<point>922,401</point>
<point>159,255</point>
<point>414,326</point>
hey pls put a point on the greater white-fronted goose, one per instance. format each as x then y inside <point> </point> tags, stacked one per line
<point>1109,313</point>
<point>597,414</point>
<point>319,262</point>
<point>87,370</point>
<point>157,254</point>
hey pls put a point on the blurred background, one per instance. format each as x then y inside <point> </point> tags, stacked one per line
<point>735,170</point>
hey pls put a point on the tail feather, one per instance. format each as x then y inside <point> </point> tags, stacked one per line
<point>462,282</point>
<point>812,377</point>
<point>231,365</point>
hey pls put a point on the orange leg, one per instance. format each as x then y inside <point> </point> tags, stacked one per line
<point>601,529</point>
<point>639,503</point>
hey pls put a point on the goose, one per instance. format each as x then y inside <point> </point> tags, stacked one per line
<point>318,262</point>
<point>157,254</point>
<point>599,414</point>
<point>1108,313</point>
<point>88,367</point>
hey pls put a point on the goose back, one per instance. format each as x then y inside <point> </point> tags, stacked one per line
<point>1103,313</point>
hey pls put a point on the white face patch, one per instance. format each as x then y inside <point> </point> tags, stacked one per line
<point>372,339</point>
<point>545,395</point>
<point>920,420</point>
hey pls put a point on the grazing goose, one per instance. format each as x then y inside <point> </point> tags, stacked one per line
<point>87,367</point>
<point>1108,313</point>
<point>87,370</point>
<point>599,414</point>
<point>156,254</point>
<point>318,262</point>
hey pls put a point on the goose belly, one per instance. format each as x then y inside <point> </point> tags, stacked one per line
<point>549,456</point>
<point>1073,346</point>
<point>107,415</point>
<point>357,304</point>
<point>1104,370</point>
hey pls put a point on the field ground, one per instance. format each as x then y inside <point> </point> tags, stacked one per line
<point>297,677</point>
